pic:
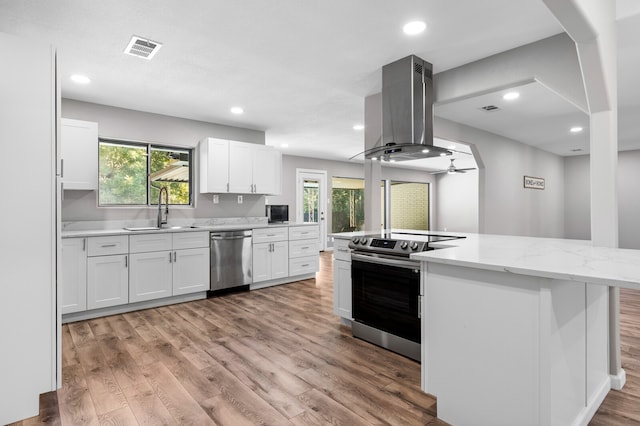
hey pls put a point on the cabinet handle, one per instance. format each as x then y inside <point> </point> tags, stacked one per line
<point>227,186</point>
<point>271,235</point>
<point>175,256</point>
<point>126,261</point>
<point>304,233</point>
<point>84,244</point>
<point>304,265</point>
<point>419,306</point>
<point>169,257</point>
<point>107,245</point>
<point>343,250</point>
<point>304,248</point>
<point>62,168</point>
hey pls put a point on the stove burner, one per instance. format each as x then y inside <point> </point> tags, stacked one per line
<point>400,244</point>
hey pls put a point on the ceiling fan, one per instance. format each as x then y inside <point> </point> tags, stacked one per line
<point>452,169</point>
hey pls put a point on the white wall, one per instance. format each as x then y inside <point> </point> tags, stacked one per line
<point>505,206</point>
<point>119,123</point>
<point>456,202</point>
<point>578,223</point>
<point>577,207</point>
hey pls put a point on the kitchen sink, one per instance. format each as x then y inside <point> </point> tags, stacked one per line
<point>155,228</point>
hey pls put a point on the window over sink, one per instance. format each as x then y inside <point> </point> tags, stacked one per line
<point>132,173</point>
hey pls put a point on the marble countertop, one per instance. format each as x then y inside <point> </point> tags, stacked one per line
<point>98,229</point>
<point>575,260</point>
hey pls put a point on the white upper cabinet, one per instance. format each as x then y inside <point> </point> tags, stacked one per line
<point>239,167</point>
<point>214,165</point>
<point>79,151</point>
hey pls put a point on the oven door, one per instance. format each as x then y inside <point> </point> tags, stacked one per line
<point>385,294</point>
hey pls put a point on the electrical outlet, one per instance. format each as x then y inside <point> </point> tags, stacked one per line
<point>216,198</point>
<point>239,199</point>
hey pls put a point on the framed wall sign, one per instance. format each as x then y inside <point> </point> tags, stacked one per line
<point>533,182</point>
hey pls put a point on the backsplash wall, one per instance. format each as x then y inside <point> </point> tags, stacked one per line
<point>120,123</point>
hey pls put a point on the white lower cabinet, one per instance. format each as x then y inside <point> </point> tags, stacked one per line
<point>150,276</point>
<point>270,261</point>
<point>73,297</point>
<point>157,271</point>
<point>191,271</point>
<point>342,288</point>
<point>107,281</point>
<point>342,279</point>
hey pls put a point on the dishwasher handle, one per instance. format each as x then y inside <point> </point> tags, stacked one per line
<point>221,237</point>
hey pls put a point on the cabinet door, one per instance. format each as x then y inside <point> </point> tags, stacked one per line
<point>342,288</point>
<point>240,167</point>
<point>261,262</point>
<point>74,275</point>
<point>150,276</point>
<point>190,271</point>
<point>79,152</point>
<point>267,170</point>
<point>279,259</point>
<point>107,281</point>
<point>214,165</point>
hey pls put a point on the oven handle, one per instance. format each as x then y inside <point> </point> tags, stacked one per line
<point>386,261</point>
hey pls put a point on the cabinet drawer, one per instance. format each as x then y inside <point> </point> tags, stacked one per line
<point>300,248</point>
<point>113,244</point>
<point>149,242</point>
<point>303,265</point>
<point>341,250</point>
<point>269,235</point>
<point>187,240</point>
<point>303,232</point>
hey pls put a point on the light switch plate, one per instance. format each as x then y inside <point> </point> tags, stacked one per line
<point>239,199</point>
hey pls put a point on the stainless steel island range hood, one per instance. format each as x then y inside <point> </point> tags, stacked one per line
<point>407,112</point>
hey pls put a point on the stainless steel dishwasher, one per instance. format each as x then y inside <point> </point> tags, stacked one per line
<point>231,262</point>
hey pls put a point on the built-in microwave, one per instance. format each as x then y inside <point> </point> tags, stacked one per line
<point>277,213</point>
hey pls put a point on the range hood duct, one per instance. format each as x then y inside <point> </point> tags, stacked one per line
<point>407,112</point>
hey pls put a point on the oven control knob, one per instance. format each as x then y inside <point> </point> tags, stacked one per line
<point>355,240</point>
<point>363,241</point>
<point>414,246</point>
<point>404,245</point>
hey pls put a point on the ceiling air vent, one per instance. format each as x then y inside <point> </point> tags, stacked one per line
<point>489,108</point>
<point>142,48</point>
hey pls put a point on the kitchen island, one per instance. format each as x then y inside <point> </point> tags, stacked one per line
<point>515,329</point>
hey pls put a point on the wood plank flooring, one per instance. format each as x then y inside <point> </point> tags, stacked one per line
<point>274,356</point>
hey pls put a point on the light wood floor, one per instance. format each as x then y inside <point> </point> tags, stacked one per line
<point>272,356</point>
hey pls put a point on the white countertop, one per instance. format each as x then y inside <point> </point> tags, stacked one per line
<point>106,229</point>
<point>574,260</point>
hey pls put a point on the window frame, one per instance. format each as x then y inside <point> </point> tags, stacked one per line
<point>149,146</point>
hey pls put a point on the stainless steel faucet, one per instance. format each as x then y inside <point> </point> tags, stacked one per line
<point>166,211</point>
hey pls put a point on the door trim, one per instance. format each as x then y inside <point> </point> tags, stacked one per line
<point>320,175</point>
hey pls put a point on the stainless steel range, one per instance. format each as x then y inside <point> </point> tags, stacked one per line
<point>386,289</point>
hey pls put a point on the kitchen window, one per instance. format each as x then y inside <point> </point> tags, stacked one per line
<point>132,174</point>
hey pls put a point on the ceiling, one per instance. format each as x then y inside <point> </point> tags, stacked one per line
<point>300,68</point>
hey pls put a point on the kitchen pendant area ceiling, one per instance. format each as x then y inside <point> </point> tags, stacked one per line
<point>299,69</point>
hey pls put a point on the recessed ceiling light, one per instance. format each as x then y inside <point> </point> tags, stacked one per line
<point>237,110</point>
<point>392,161</point>
<point>424,151</point>
<point>575,129</point>
<point>442,154</point>
<point>80,79</point>
<point>415,27</point>
<point>451,147</point>
<point>374,158</point>
<point>358,127</point>
<point>511,96</point>
<point>284,145</point>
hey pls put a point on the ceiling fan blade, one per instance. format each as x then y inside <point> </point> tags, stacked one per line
<point>460,171</point>
<point>469,168</point>
<point>438,172</point>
